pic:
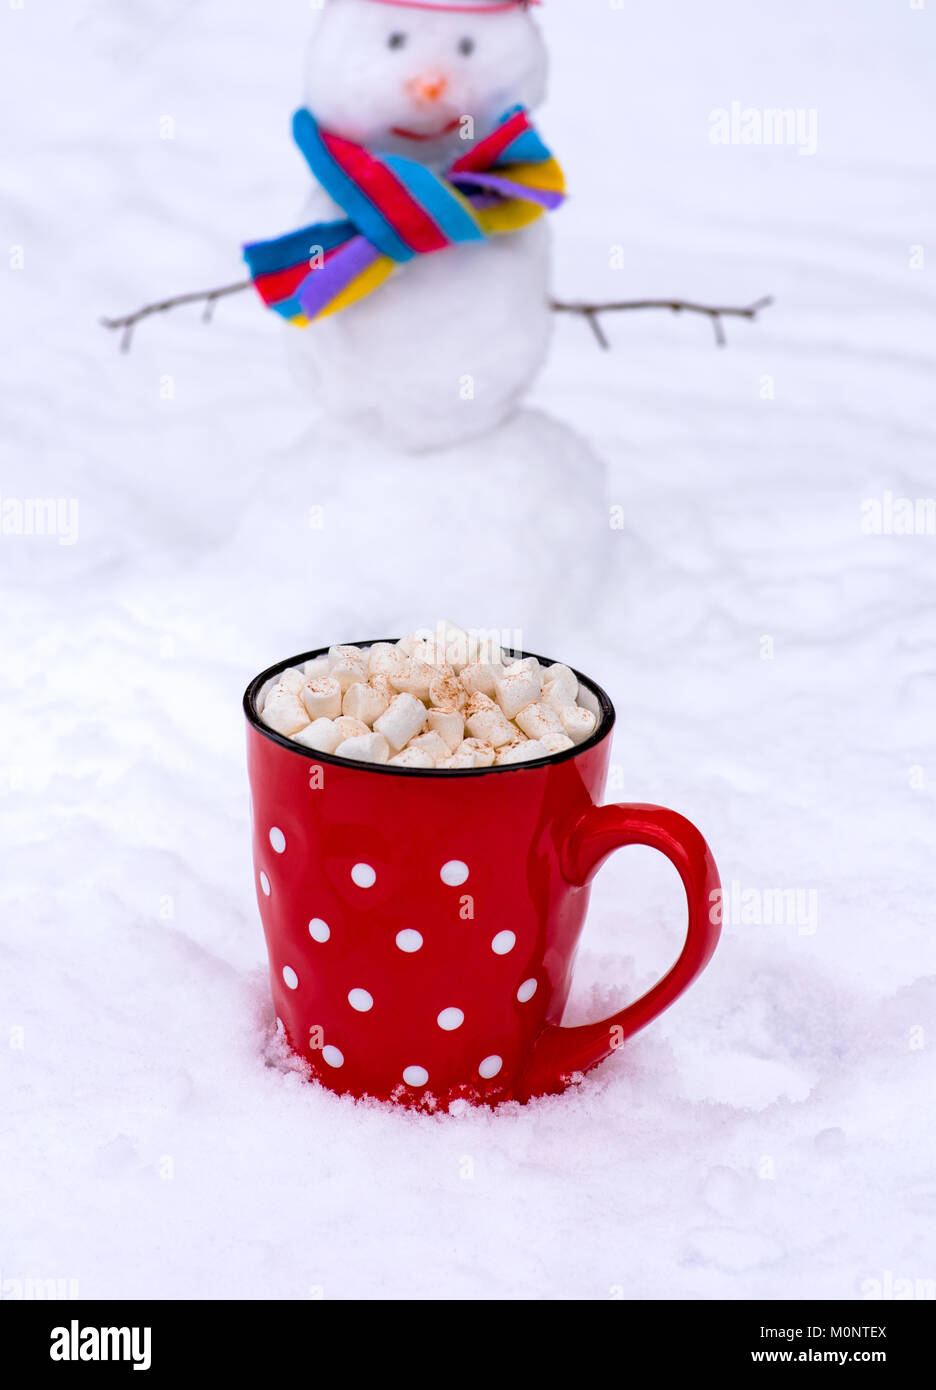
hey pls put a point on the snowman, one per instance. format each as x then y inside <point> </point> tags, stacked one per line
<point>447,345</point>
<point>438,482</point>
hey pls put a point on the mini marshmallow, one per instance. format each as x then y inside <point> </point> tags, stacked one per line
<point>291,679</point>
<point>433,745</point>
<point>519,686</point>
<point>408,644</point>
<point>536,720</point>
<point>364,702</point>
<point>317,666</point>
<point>449,726</point>
<point>321,696</point>
<point>459,760</point>
<point>521,752</point>
<point>283,711</point>
<point>413,678</point>
<point>349,727</point>
<point>577,722</point>
<point>491,727</point>
<point>481,676</point>
<point>556,743</point>
<point>384,657</point>
<point>481,751</point>
<point>403,719</point>
<point>560,681</point>
<point>365,748</point>
<point>339,654</point>
<point>412,757</point>
<point>524,663</point>
<point>321,734</point>
<point>447,692</point>
<point>346,671</point>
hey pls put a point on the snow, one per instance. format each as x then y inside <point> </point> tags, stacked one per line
<point>771,1135</point>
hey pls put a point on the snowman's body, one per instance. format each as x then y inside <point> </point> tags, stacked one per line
<point>442,350</point>
<point>445,348</point>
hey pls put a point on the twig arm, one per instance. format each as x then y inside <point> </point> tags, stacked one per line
<point>715,313</point>
<point>209,298</point>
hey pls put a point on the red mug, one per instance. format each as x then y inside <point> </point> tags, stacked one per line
<point>421,925</point>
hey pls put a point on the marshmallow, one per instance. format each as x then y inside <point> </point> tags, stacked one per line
<point>321,696</point>
<point>520,685</point>
<point>321,734</point>
<point>365,702</point>
<point>459,760</point>
<point>446,692</point>
<point>561,680</point>
<point>556,743</point>
<point>347,665</point>
<point>481,676</point>
<point>521,752</point>
<point>384,657</point>
<point>577,722</point>
<point>283,711</point>
<point>449,726</point>
<point>490,726</point>
<point>349,727</point>
<point>291,679</point>
<point>413,678</point>
<point>339,654</point>
<point>365,748</point>
<point>402,720</point>
<point>482,752</point>
<point>317,666</point>
<point>524,663</point>
<point>433,745</point>
<point>408,644</point>
<point>412,757</point>
<point>536,720</point>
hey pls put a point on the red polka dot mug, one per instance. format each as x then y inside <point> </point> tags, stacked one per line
<point>422,924</point>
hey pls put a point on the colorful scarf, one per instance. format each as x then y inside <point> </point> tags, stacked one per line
<point>398,209</point>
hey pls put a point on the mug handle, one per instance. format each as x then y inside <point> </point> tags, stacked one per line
<point>560,1052</point>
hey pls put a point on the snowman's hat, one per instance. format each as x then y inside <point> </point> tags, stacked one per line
<point>462,6</point>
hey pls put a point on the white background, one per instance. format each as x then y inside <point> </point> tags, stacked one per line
<point>772,1134</point>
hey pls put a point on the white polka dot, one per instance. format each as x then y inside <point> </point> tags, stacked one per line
<point>503,942</point>
<point>450,1019</point>
<point>363,875</point>
<point>526,991</point>
<point>264,883</point>
<point>319,930</point>
<point>490,1066</point>
<point>415,1076</point>
<point>290,976</point>
<point>409,940</point>
<point>454,872</point>
<point>360,999</point>
<point>277,839</point>
<point>333,1056</point>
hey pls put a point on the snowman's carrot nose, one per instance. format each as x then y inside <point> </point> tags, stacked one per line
<point>428,86</point>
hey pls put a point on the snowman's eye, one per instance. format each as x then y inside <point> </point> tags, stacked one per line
<point>466,47</point>
<point>396,40</point>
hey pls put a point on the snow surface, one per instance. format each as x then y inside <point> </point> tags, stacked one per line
<point>772,1134</point>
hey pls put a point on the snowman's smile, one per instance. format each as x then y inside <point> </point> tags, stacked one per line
<point>426,134</point>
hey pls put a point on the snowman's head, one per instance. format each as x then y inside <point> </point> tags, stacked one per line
<point>400,76</point>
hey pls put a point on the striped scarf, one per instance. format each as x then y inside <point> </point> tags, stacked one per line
<point>398,209</point>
